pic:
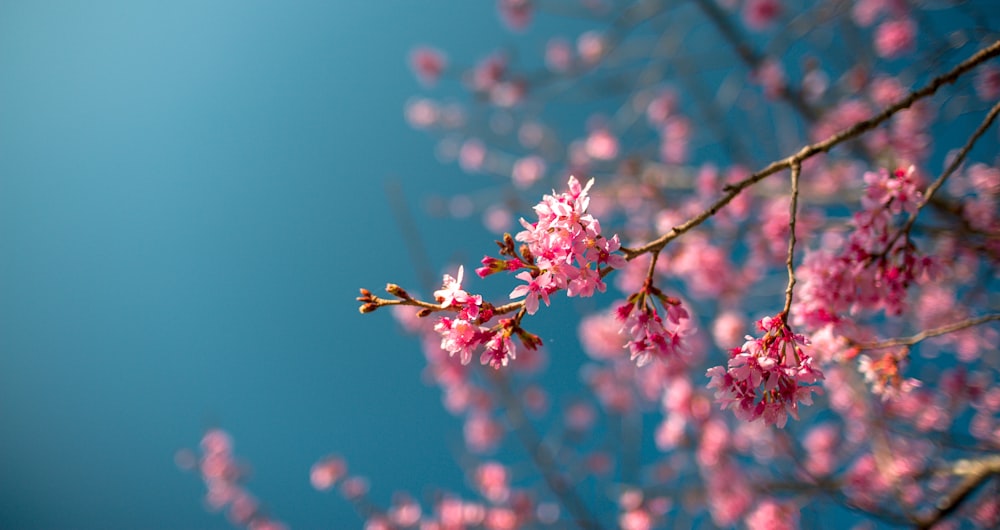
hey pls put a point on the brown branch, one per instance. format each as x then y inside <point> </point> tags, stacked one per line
<point>955,162</point>
<point>751,57</point>
<point>792,212</point>
<point>732,190</point>
<point>926,334</point>
<point>976,472</point>
<point>370,302</point>
<point>542,456</point>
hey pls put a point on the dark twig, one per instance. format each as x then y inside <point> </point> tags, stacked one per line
<point>542,456</point>
<point>955,163</point>
<point>976,473</point>
<point>926,334</point>
<point>732,190</point>
<point>792,212</point>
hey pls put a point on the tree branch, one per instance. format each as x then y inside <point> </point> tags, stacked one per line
<point>926,334</point>
<point>732,190</point>
<point>976,472</point>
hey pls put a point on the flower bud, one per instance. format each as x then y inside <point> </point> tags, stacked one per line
<point>397,291</point>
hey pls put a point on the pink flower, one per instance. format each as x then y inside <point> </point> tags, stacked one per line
<point>488,72</point>
<point>508,93</point>
<point>354,488</point>
<point>325,473</point>
<point>537,287</point>
<point>460,336</point>
<point>516,14</point>
<point>759,14</point>
<point>865,12</point>
<point>987,83</point>
<point>472,155</point>
<point>428,64</point>
<point>482,433</point>
<point>405,511</point>
<point>599,335</point>
<point>674,139</point>
<point>867,273</point>
<point>499,350</point>
<point>451,291</point>
<point>767,377</point>
<point>558,55</point>
<point>770,515</point>
<point>223,476</point>
<point>587,281</point>
<point>649,339</point>
<point>727,328</point>
<point>421,113</point>
<point>528,170</point>
<point>821,444</point>
<point>590,46</point>
<point>637,519</point>
<point>602,145</point>
<point>567,247</point>
<point>771,75</point>
<point>493,265</point>
<point>452,295</point>
<point>729,495</point>
<point>493,481</point>
<point>661,108</point>
<point>895,37</point>
<point>884,374</point>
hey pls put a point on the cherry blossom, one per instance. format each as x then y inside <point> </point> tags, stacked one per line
<point>768,377</point>
<point>675,150</point>
<point>428,64</point>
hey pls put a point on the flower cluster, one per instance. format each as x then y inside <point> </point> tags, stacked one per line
<point>767,377</point>
<point>884,373</point>
<point>649,338</point>
<point>564,249</point>
<point>464,333</point>
<point>877,264</point>
<point>223,475</point>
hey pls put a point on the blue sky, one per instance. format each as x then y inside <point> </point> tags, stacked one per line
<point>190,195</point>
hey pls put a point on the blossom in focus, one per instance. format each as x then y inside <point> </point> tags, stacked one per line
<point>649,337</point>
<point>460,336</point>
<point>499,350</point>
<point>451,292</point>
<point>537,287</point>
<point>567,246</point>
<point>768,376</point>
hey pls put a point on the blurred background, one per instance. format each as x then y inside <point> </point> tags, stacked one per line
<point>191,194</point>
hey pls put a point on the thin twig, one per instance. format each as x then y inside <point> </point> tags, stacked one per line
<point>542,457</point>
<point>792,212</point>
<point>751,57</point>
<point>408,229</point>
<point>926,334</point>
<point>955,162</point>
<point>732,190</point>
<point>976,473</point>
